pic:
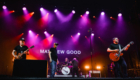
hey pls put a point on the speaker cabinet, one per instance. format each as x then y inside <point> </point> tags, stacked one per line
<point>30,68</point>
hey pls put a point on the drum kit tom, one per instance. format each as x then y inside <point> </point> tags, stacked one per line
<point>64,69</point>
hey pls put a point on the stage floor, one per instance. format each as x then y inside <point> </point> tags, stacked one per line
<point>66,77</point>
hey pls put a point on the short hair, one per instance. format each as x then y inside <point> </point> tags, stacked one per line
<point>115,37</point>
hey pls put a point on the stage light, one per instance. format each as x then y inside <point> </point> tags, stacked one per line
<point>98,67</point>
<point>24,8</point>
<point>102,13</point>
<point>55,10</point>
<point>81,15</point>
<point>32,13</point>
<point>4,7</point>
<point>87,67</point>
<point>93,16</point>
<point>111,17</point>
<point>85,36</point>
<point>73,11</point>
<point>41,9</point>
<point>52,35</point>
<point>45,32</point>
<point>119,14</point>
<point>92,34</point>
<point>87,12</point>
<point>71,36</point>
<point>78,33</point>
<point>99,37</point>
<point>30,31</point>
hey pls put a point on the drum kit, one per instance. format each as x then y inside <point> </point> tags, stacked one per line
<point>64,69</point>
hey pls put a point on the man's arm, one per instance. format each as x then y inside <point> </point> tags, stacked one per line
<point>112,51</point>
<point>127,47</point>
<point>50,56</point>
<point>27,52</point>
<point>13,53</point>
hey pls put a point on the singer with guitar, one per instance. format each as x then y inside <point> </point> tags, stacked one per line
<point>20,49</point>
<point>119,61</point>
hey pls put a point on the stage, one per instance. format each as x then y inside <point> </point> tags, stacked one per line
<point>65,78</point>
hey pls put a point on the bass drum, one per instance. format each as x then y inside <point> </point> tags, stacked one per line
<point>65,70</point>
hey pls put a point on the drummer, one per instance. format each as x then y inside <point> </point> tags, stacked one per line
<point>66,63</point>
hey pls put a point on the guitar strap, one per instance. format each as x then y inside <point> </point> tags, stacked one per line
<point>119,47</point>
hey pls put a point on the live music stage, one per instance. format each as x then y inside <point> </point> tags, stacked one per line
<point>70,39</point>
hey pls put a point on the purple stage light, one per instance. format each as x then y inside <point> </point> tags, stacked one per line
<point>119,14</point>
<point>30,31</point>
<point>41,9</point>
<point>78,33</point>
<point>87,12</point>
<point>55,10</point>
<point>92,34</point>
<point>102,13</point>
<point>73,11</point>
<point>24,8</point>
<point>45,32</point>
<point>4,7</point>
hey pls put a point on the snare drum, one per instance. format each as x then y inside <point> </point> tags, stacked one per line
<point>65,70</point>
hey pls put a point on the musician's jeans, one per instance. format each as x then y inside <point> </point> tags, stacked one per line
<point>118,64</point>
<point>75,70</point>
<point>53,68</point>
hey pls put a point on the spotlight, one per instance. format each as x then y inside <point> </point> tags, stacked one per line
<point>111,17</point>
<point>4,7</point>
<point>24,8</point>
<point>52,35</point>
<point>73,11</point>
<point>41,9</point>
<point>32,13</point>
<point>92,34</point>
<point>119,14</point>
<point>81,15</point>
<point>78,33</point>
<point>30,31</point>
<point>93,16</point>
<point>102,13</point>
<point>87,67</point>
<point>55,10</point>
<point>45,32</point>
<point>98,67</point>
<point>71,36</point>
<point>87,12</point>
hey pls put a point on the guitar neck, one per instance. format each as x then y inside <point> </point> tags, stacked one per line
<point>123,48</point>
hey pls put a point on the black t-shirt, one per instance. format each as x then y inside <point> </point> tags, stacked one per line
<point>75,63</point>
<point>20,49</point>
<point>54,54</point>
<point>115,46</point>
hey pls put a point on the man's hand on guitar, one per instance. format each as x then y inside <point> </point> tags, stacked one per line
<point>116,50</point>
<point>16,57</point>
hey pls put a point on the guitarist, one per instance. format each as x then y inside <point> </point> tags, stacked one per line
<point>21,48</point>
<point>114,48</point>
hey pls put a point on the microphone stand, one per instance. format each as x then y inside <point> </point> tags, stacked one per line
<point>91,51</point>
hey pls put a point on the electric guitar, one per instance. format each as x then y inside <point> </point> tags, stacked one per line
<point>116,56</point>
<point>20,54</point>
